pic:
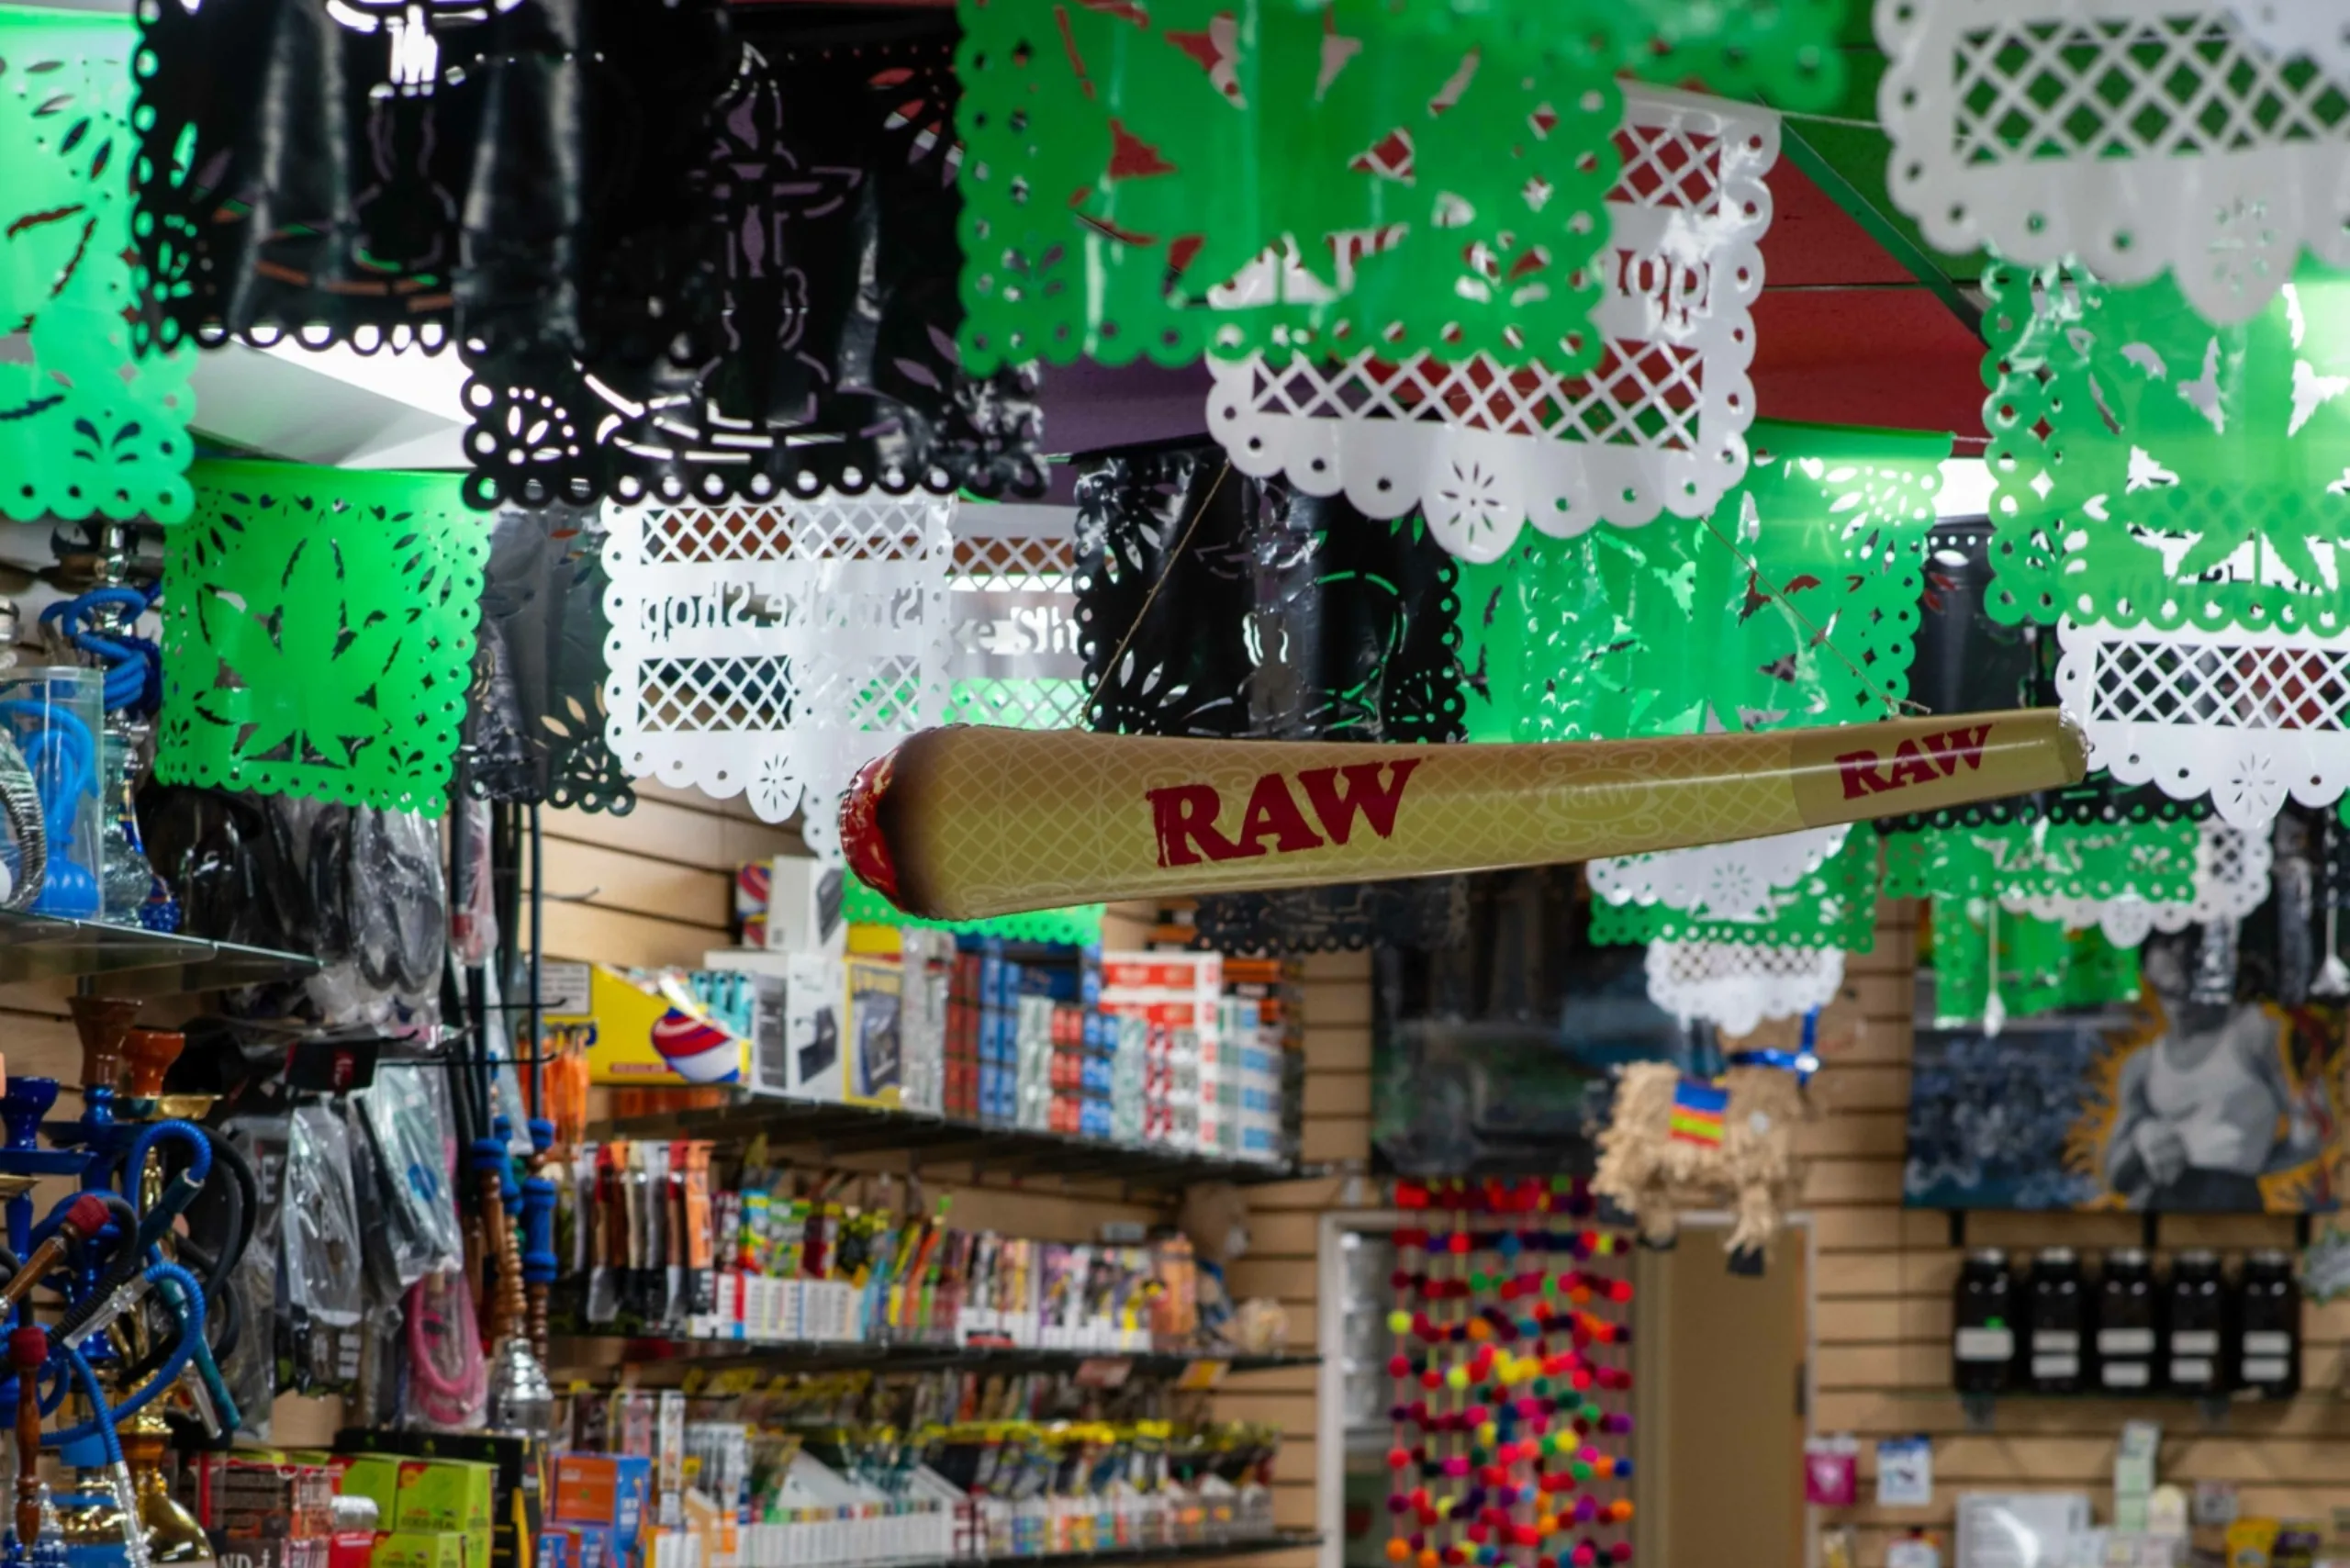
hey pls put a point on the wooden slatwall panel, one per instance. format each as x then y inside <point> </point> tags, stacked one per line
<point>1882,1309</point>
<point>655,888</point>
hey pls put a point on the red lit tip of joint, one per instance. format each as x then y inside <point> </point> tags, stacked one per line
<point>87,1215</point>
<point>29,1346</point>
<point>861,842</point>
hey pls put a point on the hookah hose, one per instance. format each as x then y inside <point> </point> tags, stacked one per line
<point>134,665</point>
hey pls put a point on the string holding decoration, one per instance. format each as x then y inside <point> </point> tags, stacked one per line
<point>770,652</point>
<point>1484,445</point>
<point>1163,182</point>
<point>2141,137</point>
<point>87,426</point>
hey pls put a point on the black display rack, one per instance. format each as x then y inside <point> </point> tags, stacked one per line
<point>573,1351</point>
<point>837,1130</point>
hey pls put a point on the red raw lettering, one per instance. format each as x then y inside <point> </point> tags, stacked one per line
<point>1860,775</point>
<point>1335,803</point>
<point>1185,816</point>
<point>1909,766</point>
<point>1272,813</point>
<point>1962,745</point>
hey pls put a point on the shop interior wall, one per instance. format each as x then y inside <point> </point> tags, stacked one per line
<point>656,887</point>
<point>1882,1310</point>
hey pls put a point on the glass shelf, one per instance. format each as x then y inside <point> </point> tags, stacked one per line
<point>134,961</point>
<point>1244,1546</point>
<point>838,1129</point>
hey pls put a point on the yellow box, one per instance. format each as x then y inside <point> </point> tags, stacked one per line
<point>647,1031</point>
<point>444,1494</point>
<point>874,1056</point>
<point>421,1548</point>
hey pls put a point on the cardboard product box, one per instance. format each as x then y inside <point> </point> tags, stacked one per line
<point>351,1549</point>
<point>769,1062</point>
<point>875,1051</point>
<point>647,1030</point>
<point>614,1491</point>
<point>444,1494</point>
<point>263,1494</point>
<point>517,1469</point>
<point>807,906</point>
<point>422,1548</point>
<point>373,1476</point>
<point>273,1551</point>
<point>815,1005</point>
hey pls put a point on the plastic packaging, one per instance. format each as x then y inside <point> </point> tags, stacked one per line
<point>323,1253</point>
<point>408,1135</point>
<point>250,1368</point>
<point>54,714</point>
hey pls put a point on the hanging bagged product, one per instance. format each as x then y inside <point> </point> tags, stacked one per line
<point>2141,137</point>
<point>87,427</point>
<point>1482,446</point>
<point>318,634</point>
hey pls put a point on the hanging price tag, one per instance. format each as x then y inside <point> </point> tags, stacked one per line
<point>1203,1374</point>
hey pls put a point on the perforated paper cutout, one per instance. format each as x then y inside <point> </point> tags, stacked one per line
<point>1735,986</point>
<point>770,652</point>
<point>318,634</point>
<point>1161,180</point>
<point>86,427</point>
<point>2317,30</point>
<point>2139,136</point>
<point>1482,446</point>
<point>2249,717</point>
<point>1742,880</point>
<point>2153,468</point>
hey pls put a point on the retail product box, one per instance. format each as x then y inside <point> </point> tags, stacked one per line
<point>926,966</point>
<point>875,1061</point>
<point>767,974</point>
<point>272,1552</point>
<point>516,1466</point>
<point>422,1548</point>
<point>351,1549</point>
<point>815,1002</point>
<point>263,1494</point>
<point>805,910</point>
<point>646,1029</point>
<point>443,1495</point>
<point>374,1476</point>
<point>611,1490</point>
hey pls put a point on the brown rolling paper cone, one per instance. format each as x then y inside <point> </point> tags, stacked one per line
<point>969,822</point>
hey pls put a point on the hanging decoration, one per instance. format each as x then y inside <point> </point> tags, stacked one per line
<point>1673,1141</point>
<point>386,175</point>
<point>2314,30</point>
<point>1794,605</point>
<point>2043,966</point>
<point>826,177</point>
<point>318,634</point>
<point>772,651</point>
<point>2125,879</point>
<point>1016,656</point>
<point>535,724</point>
<point>1166,180</point>
<point>1484,444</point>
<point>86,428</point>
<point>1744,881</point>
<point>2141,137</point>
<point>1511,1363</point>
<point>2170,491</point>
<point>1212,603</point>
<point>1739,986</point>
<point>1209,603</point>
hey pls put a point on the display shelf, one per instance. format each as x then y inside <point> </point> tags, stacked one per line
<point>837,1129</point>
<point>135,961</point>
<point>1981,1409</point>
<point>1252,1546</point>
<point>576,1350</point>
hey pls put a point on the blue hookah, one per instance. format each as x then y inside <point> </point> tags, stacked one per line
<point>101,1251</point>
<point>100,624</point>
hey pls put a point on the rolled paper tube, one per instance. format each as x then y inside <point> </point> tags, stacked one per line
<point>970,822</point>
